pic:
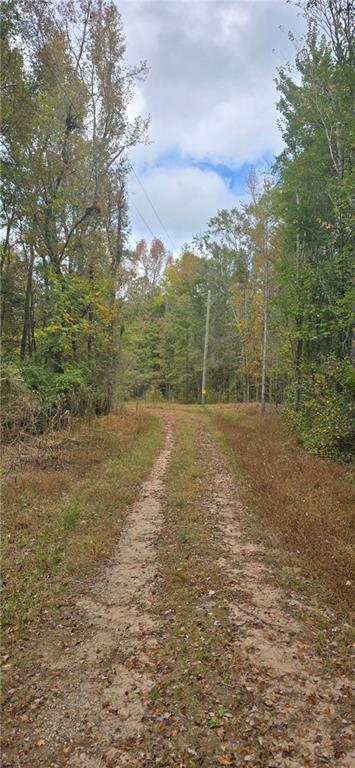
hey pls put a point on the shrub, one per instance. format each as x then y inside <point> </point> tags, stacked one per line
<point>154,395</point>
<point>20,407</point>
<point>34,398</point>
<point>325,421</point>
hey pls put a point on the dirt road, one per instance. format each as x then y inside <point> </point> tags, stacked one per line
<point>185,652</point>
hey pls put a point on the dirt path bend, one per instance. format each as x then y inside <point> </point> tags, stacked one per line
<point>102,684</point>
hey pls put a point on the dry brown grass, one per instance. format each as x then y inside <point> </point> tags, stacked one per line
<point>64,498</point>
<point>38,469</point>
<point>303,503</point>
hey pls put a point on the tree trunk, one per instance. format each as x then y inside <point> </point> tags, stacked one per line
<point>3,315</point>
<point>116,259</point>
<point>297,371</point>
<point>298,345</point>
<point>244,388</point>
<point>28,323</point>
<point>109,394</point>
<point>265,334</point>
<point>270,388</point>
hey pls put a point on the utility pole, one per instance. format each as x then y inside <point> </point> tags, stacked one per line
<point>203,392</point>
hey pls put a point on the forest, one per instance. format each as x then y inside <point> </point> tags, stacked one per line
<point>178,423</point>
<point>88,320</point>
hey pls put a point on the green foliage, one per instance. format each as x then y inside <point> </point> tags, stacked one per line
<point>20,405</point>
<point>34,397</point>
<point>68,391</point>
<point>314,205</point>
<point>325,422</point>
<point>64,213</point>
<point>154,395</point>
<point>279,268</point>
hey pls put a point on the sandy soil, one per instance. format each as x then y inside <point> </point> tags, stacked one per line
<point>300,696</point>
<point>97,688</point>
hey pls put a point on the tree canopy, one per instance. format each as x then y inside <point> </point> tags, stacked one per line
<point>86,318</point>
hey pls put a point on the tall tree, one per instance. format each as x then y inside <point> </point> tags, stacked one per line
<point>65,138</point>
<point>314,203</point>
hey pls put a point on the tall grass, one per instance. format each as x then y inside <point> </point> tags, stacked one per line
<point>302,502</point>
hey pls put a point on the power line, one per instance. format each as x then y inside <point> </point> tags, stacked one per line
<point>143,219</point>
<point>155,211</point>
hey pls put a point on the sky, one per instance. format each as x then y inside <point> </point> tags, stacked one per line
<point>211,97</point>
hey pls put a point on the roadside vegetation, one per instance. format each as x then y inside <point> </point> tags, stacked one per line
<point>88,319</point>
<point>64,503</point>
<point>302,505</point>
<point>65,136</point>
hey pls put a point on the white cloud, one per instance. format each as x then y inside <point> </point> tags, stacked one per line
<point>210,90</point>
<point>185,199</point>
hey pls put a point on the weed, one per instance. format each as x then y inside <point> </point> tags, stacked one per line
<point>154,694</point>
<point>301,503</point>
